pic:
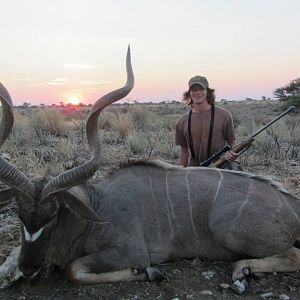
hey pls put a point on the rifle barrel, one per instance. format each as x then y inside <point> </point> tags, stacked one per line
<point>273,121</point>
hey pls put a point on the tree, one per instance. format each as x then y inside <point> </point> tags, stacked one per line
<point>289,93</point>
<point>26,104</point>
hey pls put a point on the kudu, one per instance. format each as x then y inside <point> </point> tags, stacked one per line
<point>147,213</point>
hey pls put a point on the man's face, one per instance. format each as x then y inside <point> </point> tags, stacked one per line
<point>198,94</point>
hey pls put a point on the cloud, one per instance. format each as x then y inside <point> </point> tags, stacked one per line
<point>58,81</point>
<point>55,83</point>
<point>79,66</point>
<point>94,82</point>
<point>31,81</point>
<point>25,78</point>
<point>39,84</point>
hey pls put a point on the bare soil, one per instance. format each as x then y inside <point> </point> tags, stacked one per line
<point>184,282</point>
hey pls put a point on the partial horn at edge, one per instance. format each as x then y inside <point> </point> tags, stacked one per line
<point>7,119</point>
<point>9,174</point>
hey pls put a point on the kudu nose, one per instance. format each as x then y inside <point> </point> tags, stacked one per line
<point>29,271</point>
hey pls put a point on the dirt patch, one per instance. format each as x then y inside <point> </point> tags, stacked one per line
<point>185,280</point>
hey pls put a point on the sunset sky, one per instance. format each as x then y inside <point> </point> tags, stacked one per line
<point>74,51</point>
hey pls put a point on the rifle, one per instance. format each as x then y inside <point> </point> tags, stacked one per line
<point>243,146</point>
<point>215,156</point>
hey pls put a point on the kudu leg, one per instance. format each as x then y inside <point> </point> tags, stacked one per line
<point>80,274</point>
<point>109,266</point>
<point>84,276</point>
<point>287,261</point>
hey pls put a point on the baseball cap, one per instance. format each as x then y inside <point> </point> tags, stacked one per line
<point>202,81</point>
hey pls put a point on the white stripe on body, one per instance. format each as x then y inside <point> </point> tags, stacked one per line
<point>169,206</point>
<point>245,201</point>
<point>155,206</point>
<point>187,184</point>
<point>219,185</point>
<point>282,199</point>
<point>291,208</point>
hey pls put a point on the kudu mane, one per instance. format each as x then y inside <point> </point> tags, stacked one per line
<point>167,166</point>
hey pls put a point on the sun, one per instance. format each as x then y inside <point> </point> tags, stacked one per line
<point>74,100</point>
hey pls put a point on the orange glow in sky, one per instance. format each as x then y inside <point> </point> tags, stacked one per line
<point>244,52</point>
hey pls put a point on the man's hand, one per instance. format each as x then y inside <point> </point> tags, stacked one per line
<point>183,156</point>
<point>230,156</point>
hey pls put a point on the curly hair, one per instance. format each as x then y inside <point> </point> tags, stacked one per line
<point>211,97</point>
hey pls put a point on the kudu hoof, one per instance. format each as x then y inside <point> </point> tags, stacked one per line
<point>246,271</point>
<point>155,274</point>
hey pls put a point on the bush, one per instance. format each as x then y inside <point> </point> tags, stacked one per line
<point>139,116</point>
<point>106,120</point>
<point>47,122</point>
<point>289,93</point>
<point>22,131</point>
<point>291,101</point>
<point>173,152</point>
<point>135,142</point>
<point>123,124</point>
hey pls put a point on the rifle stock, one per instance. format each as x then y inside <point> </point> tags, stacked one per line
<point>239,148</point>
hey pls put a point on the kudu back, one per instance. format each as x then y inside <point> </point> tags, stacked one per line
<point>147,213</point>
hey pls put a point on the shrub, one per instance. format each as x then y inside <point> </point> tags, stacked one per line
<point>55,122</point>
<point>80,113</point>
<point>135,142</point>
<point>123,124</point>
<point>22,131</point>
<point>139,116</point>
<point>106,119</point>
<point>47,122</point>
<point>289,93</point>
<point>173,152</point>
<point>291,101</point>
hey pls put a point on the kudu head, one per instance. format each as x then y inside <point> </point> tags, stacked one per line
<point>39,201</point>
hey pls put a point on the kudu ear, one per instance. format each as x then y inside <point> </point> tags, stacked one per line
<point>6,197</point>
<point>77,201</point>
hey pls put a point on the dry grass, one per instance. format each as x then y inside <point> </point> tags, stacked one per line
<point>47,122</point>
<point>123,124</point>
<point>48,137</point>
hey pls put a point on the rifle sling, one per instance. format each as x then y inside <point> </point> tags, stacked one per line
<point>190,135</point>
<point>211,128</point>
